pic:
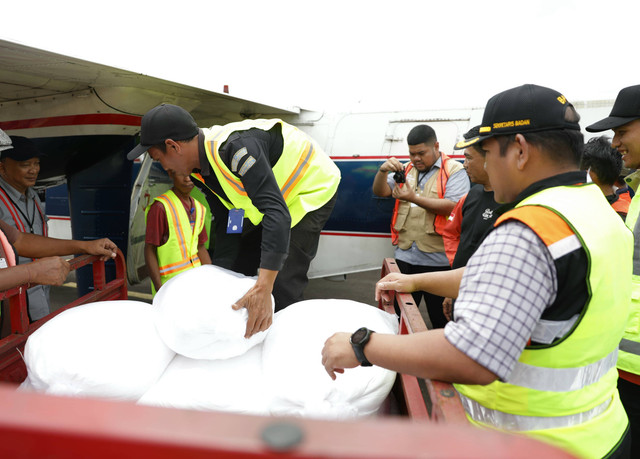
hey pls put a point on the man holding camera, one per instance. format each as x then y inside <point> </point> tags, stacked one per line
<point>426,190</point>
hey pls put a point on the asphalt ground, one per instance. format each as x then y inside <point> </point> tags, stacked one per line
<point>357,287</point>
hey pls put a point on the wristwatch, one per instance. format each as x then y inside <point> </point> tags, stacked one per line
<point>358,340</point>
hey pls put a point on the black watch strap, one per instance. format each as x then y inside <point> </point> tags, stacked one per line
<point>358,340</point>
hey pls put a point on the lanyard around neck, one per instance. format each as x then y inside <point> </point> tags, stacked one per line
<point>29,221</point>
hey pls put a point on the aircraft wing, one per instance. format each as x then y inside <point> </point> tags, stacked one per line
<point>28,75</point>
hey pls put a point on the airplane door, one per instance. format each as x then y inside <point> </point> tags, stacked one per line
<point>99,203</point>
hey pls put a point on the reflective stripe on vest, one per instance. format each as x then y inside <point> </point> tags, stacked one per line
<point>180,252</point>
<point>519,423</point>
<point>306,176</point>
<point>632,347</point>
<point>547,331</point>
<point>565,392</point>
<point>562,379</point>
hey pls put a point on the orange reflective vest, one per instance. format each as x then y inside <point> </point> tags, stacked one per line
<point>13,210</point>
<point>452,230</point>
<point>622,203</point>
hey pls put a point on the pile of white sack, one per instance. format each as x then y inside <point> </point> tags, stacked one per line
<point>188,350</point>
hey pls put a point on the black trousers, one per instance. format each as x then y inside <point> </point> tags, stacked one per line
<point>241,252</point>
<point>630,398</point>
<point>433,302</point>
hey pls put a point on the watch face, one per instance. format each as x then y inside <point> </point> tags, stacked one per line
<point>359,335</point>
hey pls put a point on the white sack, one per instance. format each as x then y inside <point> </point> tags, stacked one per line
<point>106,349</point>
<point>193,313</point>
<point>233,385</point>
<point>292,361</point>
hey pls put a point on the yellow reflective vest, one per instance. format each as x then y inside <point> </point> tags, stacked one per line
<point>307,177</point>
<point>629,357</point>
<point>565,393</point>
<point>180,252</point>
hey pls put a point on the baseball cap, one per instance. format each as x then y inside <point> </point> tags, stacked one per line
<point>470,138</point>
<point>626,108</point>
<point>164,122</point>
<point>5,141</point>
<point>526,108</point>
<point>23,149</point>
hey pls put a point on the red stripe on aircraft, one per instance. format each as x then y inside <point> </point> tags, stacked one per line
<point>329,233</point>
<point>73,120</point>
<point>367,158</point>
<point>383,158</point>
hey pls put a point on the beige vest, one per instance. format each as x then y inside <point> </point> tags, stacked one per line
<point>415,224</point>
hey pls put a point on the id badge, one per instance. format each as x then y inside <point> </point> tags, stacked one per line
<point>234,223</point>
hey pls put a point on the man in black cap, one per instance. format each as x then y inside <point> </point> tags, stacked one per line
<point>43,265</point>
<point>271,189</point>
<point>625,122</point>
<point>21,207</point>
<point>540,305</point>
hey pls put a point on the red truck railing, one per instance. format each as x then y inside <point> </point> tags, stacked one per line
<point>12,368</point>
<point>425,399</point>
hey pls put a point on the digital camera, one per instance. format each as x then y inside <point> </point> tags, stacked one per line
<point>399,177</point>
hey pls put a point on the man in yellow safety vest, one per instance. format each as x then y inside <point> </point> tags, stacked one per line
<point>541,304</point>
<point>625,122</point>
<point>175,236</point>
<point>271,190</point>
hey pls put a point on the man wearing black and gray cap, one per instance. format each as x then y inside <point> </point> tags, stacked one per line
<point>540,305</point>
<point>42,254</point>
<point>624,120</point>
<point>270,187</point>
<point>20,206</point>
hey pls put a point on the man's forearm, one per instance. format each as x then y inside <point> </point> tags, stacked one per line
<point>441,283</point>
<point>426,355</point>
<point>35,246</point>
<point>380,186</point>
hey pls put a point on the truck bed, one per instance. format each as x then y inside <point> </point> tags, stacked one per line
<point>422,418</point>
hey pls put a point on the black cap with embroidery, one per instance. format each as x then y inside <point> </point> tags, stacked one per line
<point>626,108</point>
<point>527,108</point>
<point>164,122</point>
<point>23,149</point>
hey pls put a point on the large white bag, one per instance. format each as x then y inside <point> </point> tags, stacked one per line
<point>193,313</point>
<point>106,349</point>
<point>233,385</point>
<point>292,362</point>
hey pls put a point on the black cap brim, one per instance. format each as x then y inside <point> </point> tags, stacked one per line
<point>137,151</point>
<point>472,141</point>
<point>610,122</point>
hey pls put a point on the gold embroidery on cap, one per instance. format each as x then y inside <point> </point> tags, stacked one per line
<point>466,143</point>
<point>512,123</point>
<point>562,99</point>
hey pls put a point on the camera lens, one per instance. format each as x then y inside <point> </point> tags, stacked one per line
<point>399,177</point>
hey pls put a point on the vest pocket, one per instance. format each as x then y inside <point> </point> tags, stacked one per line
<point>633,322</point>
<point>403,213</point>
